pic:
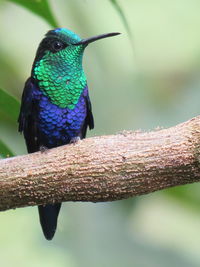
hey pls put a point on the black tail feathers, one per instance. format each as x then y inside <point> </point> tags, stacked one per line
<point>48,219</point>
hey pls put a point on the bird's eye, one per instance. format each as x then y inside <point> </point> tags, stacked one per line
<point>57,46</point>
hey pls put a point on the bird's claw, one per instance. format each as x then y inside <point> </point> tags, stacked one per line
<point>43,149</point>
<point>75,140</point>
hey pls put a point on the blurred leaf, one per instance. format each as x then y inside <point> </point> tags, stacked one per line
<point>39,7</point>
<point>5,151</point>
<point>121,13</point>
<point>9,106</point>
<point>187,194</point>
<point>125,22</point>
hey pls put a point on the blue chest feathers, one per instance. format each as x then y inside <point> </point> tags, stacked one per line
<point>58,126</point>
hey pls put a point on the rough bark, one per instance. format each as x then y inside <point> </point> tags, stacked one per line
<point>103,168</point>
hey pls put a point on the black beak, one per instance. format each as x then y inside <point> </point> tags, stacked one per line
<point>95,38</point>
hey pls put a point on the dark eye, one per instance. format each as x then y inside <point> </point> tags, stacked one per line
<point>57,46</point>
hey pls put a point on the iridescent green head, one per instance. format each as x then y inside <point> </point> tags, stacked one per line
<point>58,66</point>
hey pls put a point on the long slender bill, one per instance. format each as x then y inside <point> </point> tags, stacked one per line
<point>98,37</point>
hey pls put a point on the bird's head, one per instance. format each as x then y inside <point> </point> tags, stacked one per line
<point>65,44</point>
<point>58,65</point>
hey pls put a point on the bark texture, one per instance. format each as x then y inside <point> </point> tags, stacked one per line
<point>103,168</point>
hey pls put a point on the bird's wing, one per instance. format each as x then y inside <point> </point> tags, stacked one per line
<point>89,117</point>
<point>28,116</point>
<point>89,120</point>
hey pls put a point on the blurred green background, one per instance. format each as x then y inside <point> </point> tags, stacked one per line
<point>140,80</point>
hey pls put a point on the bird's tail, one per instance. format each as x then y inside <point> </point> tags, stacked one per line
<point>48,219</point>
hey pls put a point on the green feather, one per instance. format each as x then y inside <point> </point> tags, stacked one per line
<point>61,77</point>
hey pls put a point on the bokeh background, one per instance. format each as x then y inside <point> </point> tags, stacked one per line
<point>145,78</point>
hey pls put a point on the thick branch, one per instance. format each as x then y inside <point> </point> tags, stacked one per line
<point>103,168</point>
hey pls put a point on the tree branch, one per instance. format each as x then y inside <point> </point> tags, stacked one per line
<point>103,168</point>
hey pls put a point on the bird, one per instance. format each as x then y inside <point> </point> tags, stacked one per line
<point>55,106</point>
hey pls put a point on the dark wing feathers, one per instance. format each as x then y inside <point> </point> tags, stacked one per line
<point>89,120</point>
<point>89,117</point>
<point>27,117</point>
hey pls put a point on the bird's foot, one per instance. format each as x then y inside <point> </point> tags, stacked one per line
<point>75,140</point>
<point>43,149</point>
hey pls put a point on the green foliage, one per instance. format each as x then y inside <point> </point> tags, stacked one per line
<point>9,105</point>
<point>9,111</point>
<point>126,25</point>
<point>39,7</point>
<point>5,151</point>
<point>122,15</point>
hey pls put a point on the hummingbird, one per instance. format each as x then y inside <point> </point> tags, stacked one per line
<point>55,106</point>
